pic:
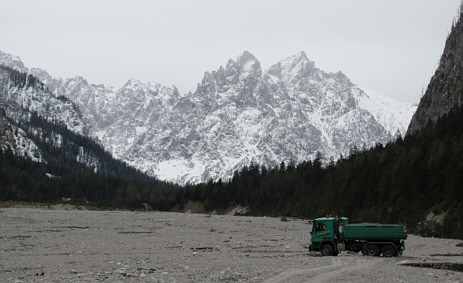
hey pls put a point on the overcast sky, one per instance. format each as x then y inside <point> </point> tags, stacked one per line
<point>390,46</point>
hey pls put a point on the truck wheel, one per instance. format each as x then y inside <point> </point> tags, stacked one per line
<point>326,250</point>
<point>389,251</point>
<point>364,251</point>
<point>372,250</point>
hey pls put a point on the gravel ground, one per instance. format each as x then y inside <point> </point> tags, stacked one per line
<point>64,244</point>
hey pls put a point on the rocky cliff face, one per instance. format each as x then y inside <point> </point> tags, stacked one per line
<point>238,114</point>
<point>445,90</point>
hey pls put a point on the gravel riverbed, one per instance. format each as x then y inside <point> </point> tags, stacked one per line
<point>64,244</point>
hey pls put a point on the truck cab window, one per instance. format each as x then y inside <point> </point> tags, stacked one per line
<point>319,227</point>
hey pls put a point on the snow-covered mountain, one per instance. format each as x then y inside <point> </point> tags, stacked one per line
<point>23,93</point>
<point>238,114</point>
<point>393,115</point>
<point>30,113</point>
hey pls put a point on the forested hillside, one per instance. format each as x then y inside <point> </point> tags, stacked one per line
<point>61,176</point>
<point>403,181</point>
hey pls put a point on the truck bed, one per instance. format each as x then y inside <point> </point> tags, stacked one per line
<point>374,232</point>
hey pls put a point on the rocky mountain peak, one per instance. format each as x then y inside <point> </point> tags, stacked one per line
<point>297,61</point>
<point>292,68</point>
<point>246,56</point>
<point>244,71</point>
<point>246,67</point>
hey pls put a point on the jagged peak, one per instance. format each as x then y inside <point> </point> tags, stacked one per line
<point>292,67</point>
<point>298,59</point>
<point>246,68</point>
<point>248,65</point>
<point>245,62</point>
<point>300,56</point>
<point>245,57</point>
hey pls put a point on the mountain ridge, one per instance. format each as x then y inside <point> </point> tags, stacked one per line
<point>238,114</point>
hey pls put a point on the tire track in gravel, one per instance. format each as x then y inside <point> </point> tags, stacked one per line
<point>339,267</point>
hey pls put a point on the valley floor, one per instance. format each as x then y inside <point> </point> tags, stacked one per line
<point>64,244</point>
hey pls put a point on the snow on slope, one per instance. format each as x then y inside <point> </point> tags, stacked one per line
<point>16,140</point>
<point>238,114</point>
<point>393,114</point>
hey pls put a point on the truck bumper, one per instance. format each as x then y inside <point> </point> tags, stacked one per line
<point>314,247</point>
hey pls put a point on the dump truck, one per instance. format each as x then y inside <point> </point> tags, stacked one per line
<point>331,235</point>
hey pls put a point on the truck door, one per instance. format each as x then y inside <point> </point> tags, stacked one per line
<point>324,230</point>
<point>319,229</point>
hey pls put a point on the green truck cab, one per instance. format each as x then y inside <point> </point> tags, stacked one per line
<point>331,235</point>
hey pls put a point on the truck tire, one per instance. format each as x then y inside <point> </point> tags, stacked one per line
<point>389,251</point>
<point>364,251</point>
<point>372,250</point>
<point>327,250</point>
